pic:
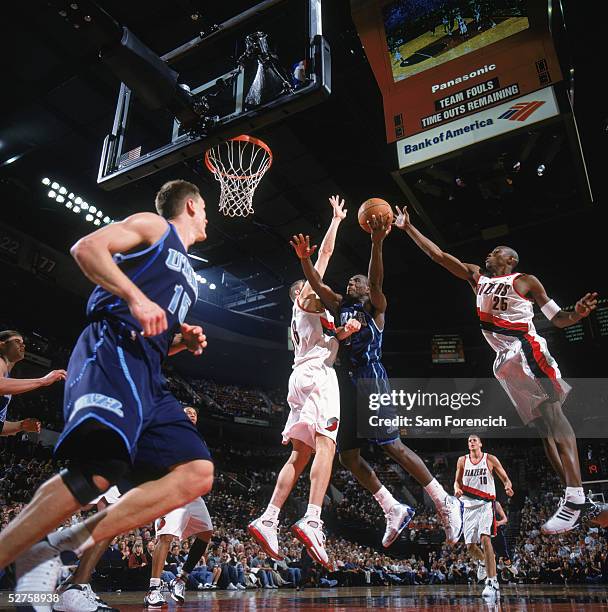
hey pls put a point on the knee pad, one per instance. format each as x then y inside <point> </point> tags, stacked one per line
<point>79,478</point>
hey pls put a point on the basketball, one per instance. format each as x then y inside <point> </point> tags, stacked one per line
<point>374,206</point>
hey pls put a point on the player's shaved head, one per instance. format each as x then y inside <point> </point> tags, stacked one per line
<point>295,288</point>
<point>509,252</point>
<point>502,260</point>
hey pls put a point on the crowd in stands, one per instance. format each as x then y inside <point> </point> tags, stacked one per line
<point>235,562</point>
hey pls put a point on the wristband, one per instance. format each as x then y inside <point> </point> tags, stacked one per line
<point>550,309</point>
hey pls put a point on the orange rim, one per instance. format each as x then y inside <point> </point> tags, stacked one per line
<point>241,138</point>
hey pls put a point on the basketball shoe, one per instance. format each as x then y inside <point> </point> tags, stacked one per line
<point>450,513</point>
<point>154,598</point>
<point>265,532</point>
<point>177,588</point>
<point>482,574</point>
<point>565,518</point>
<point>37,570</point>
<point>491,592</point>
<point>309,531</point>
<point>397,519</point>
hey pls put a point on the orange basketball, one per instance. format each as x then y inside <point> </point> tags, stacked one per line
<point>374,206</point>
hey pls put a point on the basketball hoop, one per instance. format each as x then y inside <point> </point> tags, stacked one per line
<point>239,165</point>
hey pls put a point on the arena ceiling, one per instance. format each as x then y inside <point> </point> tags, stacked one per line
<point>58,104</point>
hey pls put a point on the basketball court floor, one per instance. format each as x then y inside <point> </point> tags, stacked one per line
<point>446,598</point>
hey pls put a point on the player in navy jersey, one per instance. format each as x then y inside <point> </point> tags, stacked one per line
<point>12,351</point>
<point>523,365</point>
<point>360,362</point>
<point>117,406</point>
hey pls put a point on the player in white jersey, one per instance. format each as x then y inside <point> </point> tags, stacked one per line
<point>523,365</point>
<point>474,485</point>
<point>314,401</point>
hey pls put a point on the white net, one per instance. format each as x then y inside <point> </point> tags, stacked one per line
<point>239,165</point>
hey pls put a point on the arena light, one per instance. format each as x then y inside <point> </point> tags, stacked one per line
<point>212,286</point>
<point>89,217</point>
<point>77,204</point>
<point>541,169</point>
<point>203,280</point>
<point>97,222</point>
<point>68,204</point>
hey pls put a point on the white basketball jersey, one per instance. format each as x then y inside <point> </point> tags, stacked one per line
<point>477,481</point>
<point>313,335</point>
<point>501,310</point>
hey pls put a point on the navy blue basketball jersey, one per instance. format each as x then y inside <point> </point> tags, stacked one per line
<point>365,346</point>
<point>164,274</point>
<point>4,402</point>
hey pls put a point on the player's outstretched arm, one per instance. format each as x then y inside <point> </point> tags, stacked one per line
<point>380,229</point>
<point>94,252</point>
<point>465,271</point>
<point>10,428</point>
<point>16,386</point>
<point>329,240</point>
<point>496,466</point>
<point>458,477</point>
<point>301,245</point>
<point>527,284</point>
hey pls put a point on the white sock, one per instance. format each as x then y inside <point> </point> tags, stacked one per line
<point>436,492</point>
<point>76,538</point>
<point>154,582</point>
<point>313,511</point>
<point>271,513</point>
<point>385,498</point>
<point>575,495</point>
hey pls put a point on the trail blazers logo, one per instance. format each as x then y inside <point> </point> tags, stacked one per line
<point>522,110</point>
<point>332,424</point>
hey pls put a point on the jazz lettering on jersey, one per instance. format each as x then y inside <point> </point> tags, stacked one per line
<point>178,262</point>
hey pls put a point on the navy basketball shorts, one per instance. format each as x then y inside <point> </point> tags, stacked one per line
<point>114,378</point>
<point>362,381</point>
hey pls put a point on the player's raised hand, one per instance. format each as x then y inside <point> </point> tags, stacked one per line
<point>31,425</point>
<point>338,205</point>
<point>149,315</point>
<point>193,338</point>
<point>379,227</point>
<point>402,218</point>
<point>586,304</point>
<point>53,376</point>
<point>301,245</point>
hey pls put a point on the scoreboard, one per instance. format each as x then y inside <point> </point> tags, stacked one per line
<point>439,61</point>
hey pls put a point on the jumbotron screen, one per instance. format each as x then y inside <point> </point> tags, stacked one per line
<point>422,34</point>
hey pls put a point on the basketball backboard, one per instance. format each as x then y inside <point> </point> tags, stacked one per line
<point>251,70</point>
